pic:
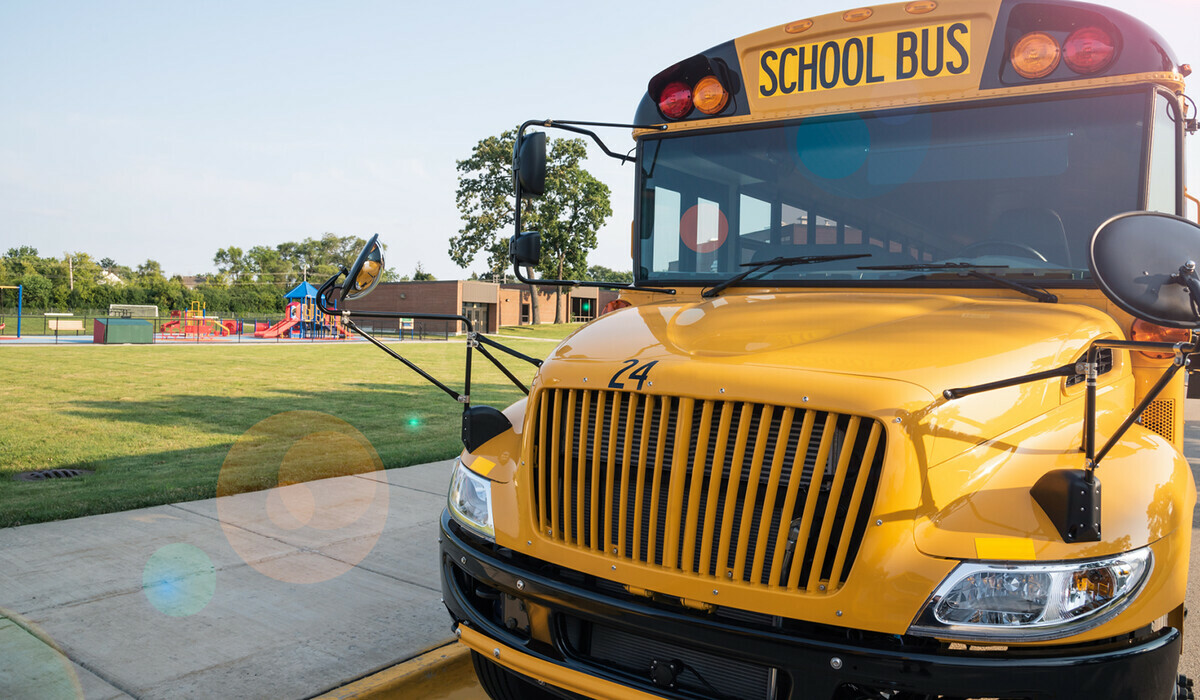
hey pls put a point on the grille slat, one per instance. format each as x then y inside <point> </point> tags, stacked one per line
<point>732,490</point>
<point>800,540</point>
<point>835,494</point>
<point>762,438</point>
<point>793,490</point>
<point>688,560</point>
<point>568,470</point>
<point>717,473</point>
<point>776,473</point>
<point>754,494</point>
<point>852,520</point>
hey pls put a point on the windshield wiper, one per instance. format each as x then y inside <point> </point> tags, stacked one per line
<point>775,264</point>
<point>975,271</point>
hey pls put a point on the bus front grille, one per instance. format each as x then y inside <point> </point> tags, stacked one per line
<point>764,495</point>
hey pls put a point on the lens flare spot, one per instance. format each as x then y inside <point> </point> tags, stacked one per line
<point>179,580</point>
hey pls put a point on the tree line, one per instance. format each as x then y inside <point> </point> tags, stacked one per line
<point>254,280</point>
<point>245,281</point>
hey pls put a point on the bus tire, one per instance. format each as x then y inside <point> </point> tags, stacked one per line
<point>1184,688</point>
<point>502,684</point>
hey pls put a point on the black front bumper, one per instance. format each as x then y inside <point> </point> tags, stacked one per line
<point>803,666</point>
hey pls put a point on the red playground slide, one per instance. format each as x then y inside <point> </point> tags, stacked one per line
<point>278,329</point>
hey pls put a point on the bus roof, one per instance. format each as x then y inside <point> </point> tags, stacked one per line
<point>914,53</point>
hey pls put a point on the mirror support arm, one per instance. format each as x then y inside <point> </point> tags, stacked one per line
<point>1089,369</point>
<point>576,128</point>
<point>1181,350</point>
<point>519,355</point>
<point>1064,371</point>
<point>576,283</point>
<point>461,398</point>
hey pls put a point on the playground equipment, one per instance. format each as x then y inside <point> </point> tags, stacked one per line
<point>196,323</point>
<point>304,319</point>
<point>20,300</point>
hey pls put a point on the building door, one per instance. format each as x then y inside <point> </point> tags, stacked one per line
<point>478,314</point>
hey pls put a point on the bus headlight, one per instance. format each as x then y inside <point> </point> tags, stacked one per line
<point>990,601</point>
<point>470,500</point>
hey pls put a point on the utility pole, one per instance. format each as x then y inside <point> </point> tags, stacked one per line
<point>70,272</point>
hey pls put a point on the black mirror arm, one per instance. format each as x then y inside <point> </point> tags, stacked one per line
<point>484,340</point>
<point>464,398</point>
<point>577,283</point>
<point>323,292</point>
<point>575,127</point>
<point>1089,368</point>
<point>1180,361</point>
<point>479,345</point>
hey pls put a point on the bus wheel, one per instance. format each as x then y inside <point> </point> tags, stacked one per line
<point>502,684</point>
<point>1184,689</point>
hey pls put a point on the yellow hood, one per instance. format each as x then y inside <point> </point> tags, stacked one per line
<point>900,349</point>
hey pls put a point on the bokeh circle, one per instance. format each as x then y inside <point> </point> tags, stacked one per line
<point>283,507</point>
<point>179,579</point>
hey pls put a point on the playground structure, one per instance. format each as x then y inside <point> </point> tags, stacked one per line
<point>196,323</point>
<point>304,319</point>
<point>20,301</point>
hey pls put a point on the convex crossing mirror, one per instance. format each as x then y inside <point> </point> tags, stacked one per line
<point>1145,262</point>
<point>366,272</point>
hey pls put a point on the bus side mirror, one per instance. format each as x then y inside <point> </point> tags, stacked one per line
<point>530,162</point>
<point>366,272</point>
<point>1146,263</point>
<point>525,249</point>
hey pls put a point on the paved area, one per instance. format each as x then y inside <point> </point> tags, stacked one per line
<point>286,593</point>
<point>282,596</point>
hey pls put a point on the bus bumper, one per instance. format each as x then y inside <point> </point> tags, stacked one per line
<point>492,594</point>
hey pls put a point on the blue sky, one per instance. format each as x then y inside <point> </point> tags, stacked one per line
<point>166,130</point>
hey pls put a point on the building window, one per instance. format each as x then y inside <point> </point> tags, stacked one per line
<point>582,310</point>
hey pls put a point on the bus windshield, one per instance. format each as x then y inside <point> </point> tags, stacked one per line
<point>1016,186</point>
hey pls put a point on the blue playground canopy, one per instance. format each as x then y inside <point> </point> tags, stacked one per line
<point>304,290</point>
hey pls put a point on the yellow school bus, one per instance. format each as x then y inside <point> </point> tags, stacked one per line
<point>891,410</point>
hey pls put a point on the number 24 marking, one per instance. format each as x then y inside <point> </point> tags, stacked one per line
<point>641,374</point>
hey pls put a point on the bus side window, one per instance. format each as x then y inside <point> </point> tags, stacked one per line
<point>665,249</point>
<point>1163,187</point>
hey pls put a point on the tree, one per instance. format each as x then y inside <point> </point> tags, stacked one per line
<point>570,213</point>
<point>420,275</point>
<point>37,291</point>
<point>149,270</point>
<point>24,251</point>
<point>573,209</point>
<point>230,261</point>
<point>600,273</point>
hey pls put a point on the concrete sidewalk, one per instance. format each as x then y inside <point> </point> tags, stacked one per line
<point>279,594</point>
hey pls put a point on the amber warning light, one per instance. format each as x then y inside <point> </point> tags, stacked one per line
<point>678,98</point>
<point>1086,51</point>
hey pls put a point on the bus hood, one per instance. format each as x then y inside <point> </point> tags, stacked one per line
<point>886,355</point>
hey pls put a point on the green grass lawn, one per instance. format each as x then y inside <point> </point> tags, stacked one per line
<point>551,331</point>
<point>155,423</point>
